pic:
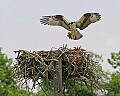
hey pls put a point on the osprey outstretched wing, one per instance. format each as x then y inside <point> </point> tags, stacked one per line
<point>82,23</point>
<point>56,20</point>
<point>87,19</point>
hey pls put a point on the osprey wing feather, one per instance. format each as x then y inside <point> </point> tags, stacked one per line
<point>56,20</point>
<point>87,19</point>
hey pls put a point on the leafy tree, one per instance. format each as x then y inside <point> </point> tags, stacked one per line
<point>113,86</point>
<point>114,60</point>
<point>7,84</point>
<point>77,88</point>
<point>71,88</point>
<point>5,74</point>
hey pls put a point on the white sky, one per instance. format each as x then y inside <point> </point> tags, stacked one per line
<point>20,27</point>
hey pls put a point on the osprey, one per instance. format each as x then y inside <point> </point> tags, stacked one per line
<point>82,23</point>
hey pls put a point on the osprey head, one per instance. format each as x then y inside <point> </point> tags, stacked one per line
<point>95,17</point>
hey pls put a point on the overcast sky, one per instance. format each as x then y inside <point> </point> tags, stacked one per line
<point>20,27</point>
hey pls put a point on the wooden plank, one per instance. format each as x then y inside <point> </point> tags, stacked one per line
<point>58,78</point>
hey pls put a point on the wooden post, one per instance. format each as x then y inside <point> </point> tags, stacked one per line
<point>58,78</point>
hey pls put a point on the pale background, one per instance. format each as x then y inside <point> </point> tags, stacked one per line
<point>20,27</point>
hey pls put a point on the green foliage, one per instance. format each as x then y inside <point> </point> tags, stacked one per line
<point>70,88</point>
<point>7,86</point>
<point>115,60</point>
<point>96,57</point>
<point>46,93</point>
<point>113,86</point>
<point>77,88</point>
<point>5,74</point>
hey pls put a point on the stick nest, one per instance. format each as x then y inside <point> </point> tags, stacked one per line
<point>77,64</point>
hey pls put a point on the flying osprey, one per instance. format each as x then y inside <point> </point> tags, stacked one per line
<point>82,23</point>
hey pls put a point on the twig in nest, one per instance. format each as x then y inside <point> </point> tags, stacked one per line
<point>76,64</point>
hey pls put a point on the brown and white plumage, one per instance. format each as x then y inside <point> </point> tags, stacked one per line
<point>82,23</point>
